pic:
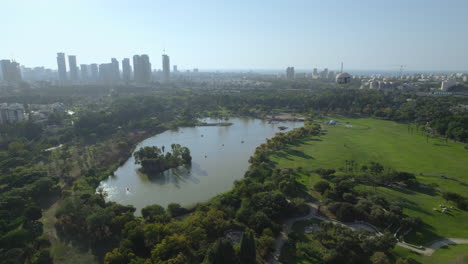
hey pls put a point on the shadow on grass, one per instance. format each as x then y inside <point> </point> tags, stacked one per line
<point>298,153</point>
<point>404,202</point>
<point>423,235</point>
<point>315,139</point>
<point>283,155</point>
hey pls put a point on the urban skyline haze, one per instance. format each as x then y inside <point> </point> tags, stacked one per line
<point>381,35</point>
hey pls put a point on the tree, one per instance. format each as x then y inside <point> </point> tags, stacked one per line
<point>266,242</point>
<point>115,257</point>
<point>154,213</point>
<point>175,210</point>
<point>33,213</point>
<point>379,258</point>
<point>247,251</point>
<point>42,257</point>
<point>221,252</point>
<point>321,186</point>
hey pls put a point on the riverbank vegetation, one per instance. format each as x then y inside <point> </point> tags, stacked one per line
<point>153,160</point>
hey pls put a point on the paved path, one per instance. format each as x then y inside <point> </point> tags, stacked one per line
<point>283,236</point>
<point>428,251</point>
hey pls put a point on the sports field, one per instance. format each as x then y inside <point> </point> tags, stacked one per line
<point>398,146</point>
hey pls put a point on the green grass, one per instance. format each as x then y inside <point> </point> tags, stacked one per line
<point>392,145</point>
<point>451,254</point>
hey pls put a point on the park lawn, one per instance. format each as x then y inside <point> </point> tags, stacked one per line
<point>453,223</point>
<point>451,254</point>
<point>393,145</point>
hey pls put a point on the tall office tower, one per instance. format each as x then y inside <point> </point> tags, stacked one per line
<point>166,68</point>
<point>84,72</point>
<point>11,71</point>
<point>290,73</point>
<point>115,69</point>
<point>106,73</point>
<point>94,72</point>
<point>174,68</point>
<point>73,67</point>
<point>325,73</point>
<point>315,73</point>
<point>61,66</point>
<point>137,72</point>
<point>126,70</point>
<point>146,66</point>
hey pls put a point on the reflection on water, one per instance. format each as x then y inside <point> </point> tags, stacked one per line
<point>219,157</point>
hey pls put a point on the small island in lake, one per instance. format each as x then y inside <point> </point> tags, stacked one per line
<point>154,160</point>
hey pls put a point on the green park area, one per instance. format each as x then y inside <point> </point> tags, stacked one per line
<point>435,162</point>
<point>451,254</point>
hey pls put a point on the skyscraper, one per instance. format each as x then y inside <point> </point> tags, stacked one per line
<point>84,72</point>
<point>94,72</point>
<point>137,72</point>
<point>142,68</point>
<point>174,68</point>
<point>10,70</point>
<point>146,67</point>
<point>106,73</point>
<point>126,70</point>
<point>73,67</point>
<point>166,68</point>
<point>61,66</point>
<point>115,69</point>
<point>290,73</point>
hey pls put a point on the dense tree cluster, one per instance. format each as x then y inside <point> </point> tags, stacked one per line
<point>154,160</point>
<point>348,204</point>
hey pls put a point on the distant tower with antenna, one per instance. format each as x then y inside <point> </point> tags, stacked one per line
<point>343,77</point>
<point>401,70</point>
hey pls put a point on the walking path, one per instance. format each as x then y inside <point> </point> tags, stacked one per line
<point>283,236</point>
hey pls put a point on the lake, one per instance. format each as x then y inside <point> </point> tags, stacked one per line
<point>220,156</point>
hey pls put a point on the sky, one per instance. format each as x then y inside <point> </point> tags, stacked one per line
<point>241,34</point>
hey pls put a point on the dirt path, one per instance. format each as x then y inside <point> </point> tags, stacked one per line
<point>283,236</point>
<point>62,252</point>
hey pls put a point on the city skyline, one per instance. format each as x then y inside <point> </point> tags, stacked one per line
<point>426,35</point>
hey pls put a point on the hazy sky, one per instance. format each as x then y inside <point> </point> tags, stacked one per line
<point>238,34</point>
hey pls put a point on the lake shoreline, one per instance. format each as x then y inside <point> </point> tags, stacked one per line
<point>220,152</point>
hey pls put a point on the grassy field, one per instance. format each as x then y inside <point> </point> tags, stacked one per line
<point>400,147</point>
<point>451,254</point>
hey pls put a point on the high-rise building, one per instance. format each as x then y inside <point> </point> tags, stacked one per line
<point>174,68</point>
<point>84,72</point>
<point>166,68</point>
<point>106,74</point>
<point>146,66</point>
<point>94,72</point>
<point>315,73</point>
<point>126,70</point>
<point>141,68</point>
<point>61,66</point>
<point>290,73</point>
<point>324,74</point>
<point>10,70</point>
<point>73,68</point>
<point>115,69</point>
